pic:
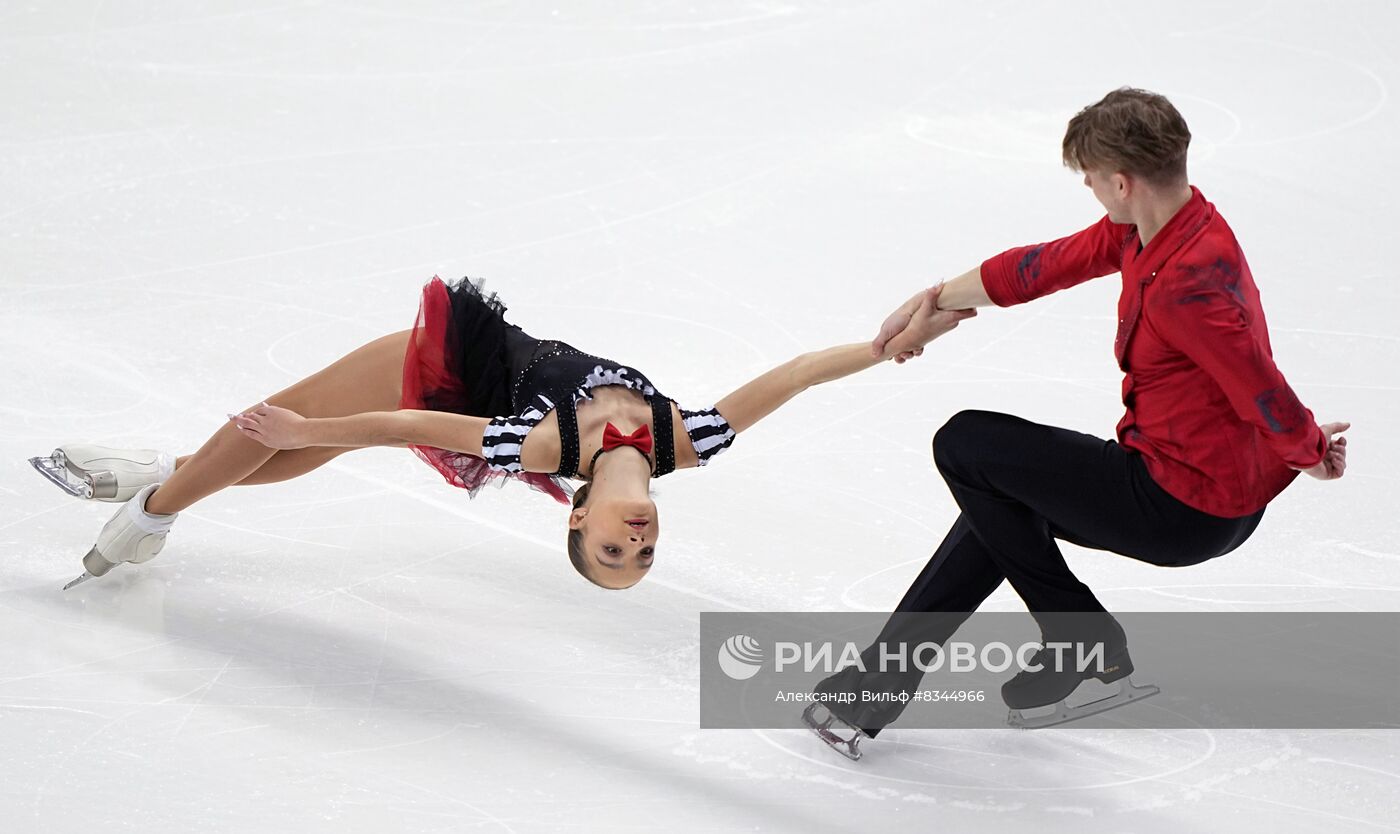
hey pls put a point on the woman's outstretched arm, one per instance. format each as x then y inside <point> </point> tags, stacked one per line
<point>281,428</point>
<point>762,396</point>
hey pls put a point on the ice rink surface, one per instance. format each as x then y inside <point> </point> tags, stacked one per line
<point>202,202</point>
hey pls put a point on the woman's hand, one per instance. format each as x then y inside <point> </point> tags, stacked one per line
<point>895,324</point>
<point>1334,461</point>
<point>914,328</point>
<point>274,427</point>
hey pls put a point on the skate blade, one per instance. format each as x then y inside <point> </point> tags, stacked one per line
<point>1127,693</point>
<point>80,580</point>
<point>848,747</point>
<point>55,468</point>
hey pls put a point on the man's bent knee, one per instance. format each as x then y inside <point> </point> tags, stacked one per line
<point>961,433</point>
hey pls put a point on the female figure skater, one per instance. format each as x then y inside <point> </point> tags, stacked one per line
<point>478,399</point>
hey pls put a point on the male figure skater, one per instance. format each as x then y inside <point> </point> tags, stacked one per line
<point>1210,435</point>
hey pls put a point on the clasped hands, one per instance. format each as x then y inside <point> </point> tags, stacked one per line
<point>917,322</point>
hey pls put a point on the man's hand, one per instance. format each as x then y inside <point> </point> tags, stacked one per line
<point>1334,461</point>
<point>272,426</point>
<point>895,324</point>
<point>916,323</point>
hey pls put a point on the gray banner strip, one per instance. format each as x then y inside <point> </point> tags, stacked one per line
<point>1214,670</point>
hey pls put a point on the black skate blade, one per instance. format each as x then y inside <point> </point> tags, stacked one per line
<point>55,468</point>
<point>848,747</point>
<point>1127,693</point>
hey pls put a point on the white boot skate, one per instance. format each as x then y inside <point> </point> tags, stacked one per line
<point>100,473</point>
<point>133,535</point>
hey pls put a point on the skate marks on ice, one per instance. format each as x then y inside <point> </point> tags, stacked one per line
<point>477,36</point>
<point>1031,133</point>
<point>989,773</point>
<point>1066,774</point>
<point>350,688</point>
<point>1311,71</point>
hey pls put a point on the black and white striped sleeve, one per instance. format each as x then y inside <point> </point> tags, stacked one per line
<point>501,442</point>
<point>504,437</point>
<point>709,433</point>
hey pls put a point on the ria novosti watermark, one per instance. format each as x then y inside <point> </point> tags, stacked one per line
<point>1227,670</point>
<point>742,656</point>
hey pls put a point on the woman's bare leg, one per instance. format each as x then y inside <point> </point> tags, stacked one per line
<point>293,463</point>
<point>287,463</point>
<point>369,378</point>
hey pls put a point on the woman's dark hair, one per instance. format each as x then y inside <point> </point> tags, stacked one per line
<point>576,555</point>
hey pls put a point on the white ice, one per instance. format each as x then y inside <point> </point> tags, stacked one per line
<point>201,203</point>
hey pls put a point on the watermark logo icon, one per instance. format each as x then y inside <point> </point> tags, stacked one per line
<point>740,657</point>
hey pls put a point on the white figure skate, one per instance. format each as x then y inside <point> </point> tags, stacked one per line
<point>100,473</point>
<point>133,535</point>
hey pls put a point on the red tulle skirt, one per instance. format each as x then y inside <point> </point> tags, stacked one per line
<point>459,359</point>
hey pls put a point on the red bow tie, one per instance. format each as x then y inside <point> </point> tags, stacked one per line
<point>639,439</point>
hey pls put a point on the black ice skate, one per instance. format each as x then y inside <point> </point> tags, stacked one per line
<point>1060,675</point>
<point>821,720</point>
